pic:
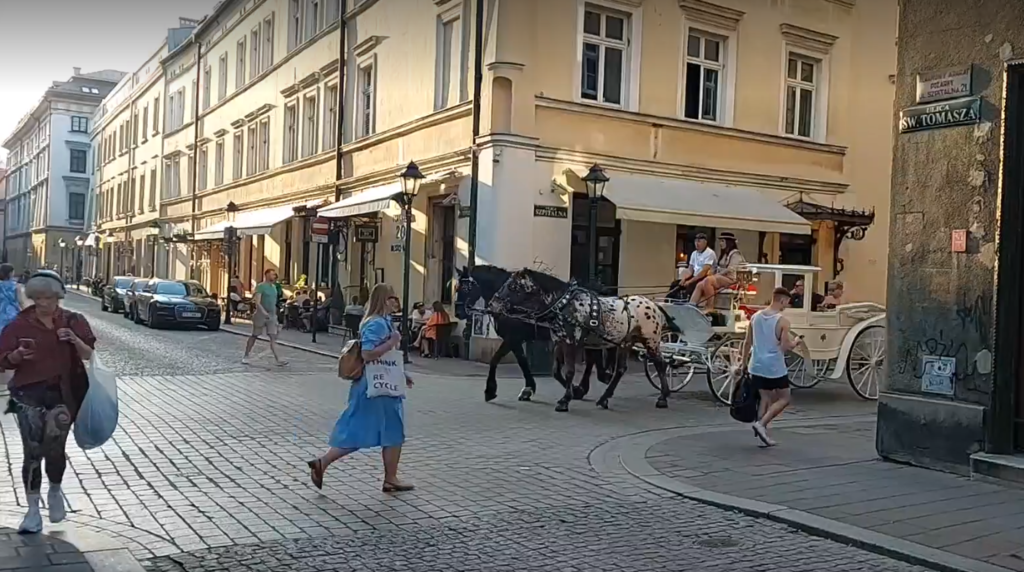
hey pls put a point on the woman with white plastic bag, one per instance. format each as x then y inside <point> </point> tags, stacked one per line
<point>46,346</point>
<point>375,416</point>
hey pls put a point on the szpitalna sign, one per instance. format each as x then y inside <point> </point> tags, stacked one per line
<point>966,111</point>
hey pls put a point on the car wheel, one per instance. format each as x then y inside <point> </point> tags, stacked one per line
<point>103,306</point>
<point>213,326</point>
<point>151,322</point>
<point>135,316</point>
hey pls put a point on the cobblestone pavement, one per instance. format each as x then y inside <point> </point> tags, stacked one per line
<point>207,472</point>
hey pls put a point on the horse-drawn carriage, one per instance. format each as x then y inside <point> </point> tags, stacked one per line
<point>847,340</point>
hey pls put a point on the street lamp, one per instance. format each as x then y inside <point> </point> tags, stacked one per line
<point>154,236</point>
<point>411,179</point>
<point>80,259</point>
<point>595,180</point>
<point>230,240</point>
<point>63,245</point>
<point>110,255</point>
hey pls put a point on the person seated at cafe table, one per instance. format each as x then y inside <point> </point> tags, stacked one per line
<point>427,340</point>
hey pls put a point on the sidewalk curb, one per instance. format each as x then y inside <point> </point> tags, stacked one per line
<point>628,455</point>
<point>239,332</point>
<point>102,553</point>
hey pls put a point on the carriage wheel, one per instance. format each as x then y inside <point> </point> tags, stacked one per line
<point>865,365</point>
<point>803,378</point>
<point>725,369</point>
<point>679,376</point>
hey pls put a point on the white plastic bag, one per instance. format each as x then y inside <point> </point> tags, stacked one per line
<point>97,418</point>
<point>385,376</point>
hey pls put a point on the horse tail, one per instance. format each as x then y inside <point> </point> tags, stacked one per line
<point>670,322</point>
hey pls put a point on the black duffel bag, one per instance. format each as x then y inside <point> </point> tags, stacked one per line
<point>746,401</point>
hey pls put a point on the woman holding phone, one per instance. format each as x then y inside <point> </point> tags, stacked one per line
<point>46,347</point>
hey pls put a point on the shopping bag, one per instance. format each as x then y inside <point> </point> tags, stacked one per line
<point>97,416</point>
<point>745,401</point>
<point>385,376</point>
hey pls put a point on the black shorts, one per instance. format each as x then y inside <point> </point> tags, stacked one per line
<point>770,383</point>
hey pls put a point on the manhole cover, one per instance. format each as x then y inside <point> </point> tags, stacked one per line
<point>716,543</point>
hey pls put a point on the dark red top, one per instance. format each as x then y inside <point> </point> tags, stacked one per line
<point>54,359</point>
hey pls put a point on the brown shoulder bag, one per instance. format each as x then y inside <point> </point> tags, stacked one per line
<point>350,364</point>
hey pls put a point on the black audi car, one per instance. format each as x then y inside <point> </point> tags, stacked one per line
<point>112,299</point>
<point>176,303</point>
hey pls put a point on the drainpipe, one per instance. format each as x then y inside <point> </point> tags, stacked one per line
<point>339,135</point>
<point>195,154</point>
<point>478,80</point>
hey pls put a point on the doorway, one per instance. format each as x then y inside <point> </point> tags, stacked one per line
<point>609,230</point>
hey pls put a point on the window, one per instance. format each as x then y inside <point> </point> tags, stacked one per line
<point>79,124</point>
<point>204,166</point>
<point>310,125</point>
<point>135,129</point>
<point>801,81</point>
<point>145,123</point>
<point>366,100</point>
<point>237,152</point>
<point>142,193</point>
<point>76,206</point>
<point>449,62</point>
<point>129,199</point>
<point>195,93</point>
<point>250,162</point>
<point>218,164</point>
<point>604,59</point>
<point>313,19</point>
<point>152,189</point>
<point>291,132</point>
<point>156,115</point>
<point>176,175</point>
<point>264,151</point>
<point>240,64</point>
<point>294,24</point>
<point>79,160</point>
<point>207,87</point>
<point>703,76</point>
<point>333,11</point>
<point>330,116</point>
<point>254,53</point>
<point>268,43</point>
<point>222,77</point>
<point>191,183</point>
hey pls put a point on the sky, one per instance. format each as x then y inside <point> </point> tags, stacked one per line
<point>41,41</point>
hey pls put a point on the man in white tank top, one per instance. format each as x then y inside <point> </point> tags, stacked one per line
<point>764,352</point>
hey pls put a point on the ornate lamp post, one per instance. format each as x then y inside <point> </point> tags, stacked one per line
<point>595,180</point>
<point>63,246</point>
<point>230,245</point>
<point>154,237</point>
<point>411,179</point>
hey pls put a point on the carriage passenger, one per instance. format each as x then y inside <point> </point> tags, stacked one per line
<point>701,265</point>
<point>730,259</point>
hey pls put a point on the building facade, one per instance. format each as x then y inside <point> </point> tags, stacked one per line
<point>953,397</point>
<point>50,178</point>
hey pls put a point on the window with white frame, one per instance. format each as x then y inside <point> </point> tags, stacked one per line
<point>176,175</point>
<point>250,158</point>
<point>195,93</point>
<point>240,64</point>
<point>145,123</point>
<point>152,189</point>
<point>222,77</point>
<point>207,87</point>
<point>291,132</point>
<point>156,115</point>
<point>167,179</point>
<point>191,182</point>
<point>142,193</point>
<point>449,61</point>
<point>704,76</point>
<point>268,43</point>
<point>313,19</point>
<point>604,57</point>
<point>330,115</point>
<point>332,11</point>
<point>310,125</point>
<point>237,155</point>
<point>135,128</point>
<point>263,163</point>
<point>204,166</point>
<point>367,100</point>
<point>294,24</point>
<point>254,53</point>
<point>218,164</point>
<point>801,95</point>
<point>79,124</point>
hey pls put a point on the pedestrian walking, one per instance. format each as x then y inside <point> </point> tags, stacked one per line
<point>764,351</point>
<point>47,347</point>
<point>11,296</point>
<point>372,419</point>
<point>264,317</point>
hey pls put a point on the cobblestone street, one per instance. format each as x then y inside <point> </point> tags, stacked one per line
<point>207,472</point>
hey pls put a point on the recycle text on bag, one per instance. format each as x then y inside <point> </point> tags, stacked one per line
<point>385,376</point>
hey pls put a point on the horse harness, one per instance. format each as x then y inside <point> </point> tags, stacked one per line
<point>563,322</point>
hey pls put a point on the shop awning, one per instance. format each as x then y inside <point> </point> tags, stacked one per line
<point>677,201</point>
<point>92,240</point>
<point>369,201</point>
<point>253,223</point>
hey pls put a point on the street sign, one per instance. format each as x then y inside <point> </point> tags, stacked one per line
<point>397,247</point>
<point>320,238</point>
<point>366,233</point>
<point>321,226</point>
<point>960,241</point>
<point>965,111</point>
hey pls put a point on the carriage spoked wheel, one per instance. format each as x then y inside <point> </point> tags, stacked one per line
<point>803,377</point>
<point>866,363</point>
<point>679,372</point>
<point>726,369</point>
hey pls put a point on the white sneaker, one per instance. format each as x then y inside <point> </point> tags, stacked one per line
<point>55,502</point>
<point>33,521</point>
<point>245,360</point>
<point>762,434</point>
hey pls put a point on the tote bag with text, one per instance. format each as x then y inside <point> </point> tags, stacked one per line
<point>385,376</point>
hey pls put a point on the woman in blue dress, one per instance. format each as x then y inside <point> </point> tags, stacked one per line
<point>370,422</point>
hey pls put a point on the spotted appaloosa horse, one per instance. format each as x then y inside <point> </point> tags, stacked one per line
<point>583,320</point>
<point>482,282</point>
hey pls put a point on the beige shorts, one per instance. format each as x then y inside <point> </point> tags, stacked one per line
<point>264,325</point>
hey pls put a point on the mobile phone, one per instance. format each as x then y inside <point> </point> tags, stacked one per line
<point>27,343</point>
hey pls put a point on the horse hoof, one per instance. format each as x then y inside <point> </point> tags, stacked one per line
<point>602,403</point>
<point>578,392</point>
<point>562,407</point>
<point>662,403</point>
<point>525,395</point>
<point>489,397</point>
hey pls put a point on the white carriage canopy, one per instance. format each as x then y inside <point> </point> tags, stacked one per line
<point>678,201</point>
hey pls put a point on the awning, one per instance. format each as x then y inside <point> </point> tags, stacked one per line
<point>677,201</point>
<point>369,201</point>
<point>92,240</point>
<point>253,223</point>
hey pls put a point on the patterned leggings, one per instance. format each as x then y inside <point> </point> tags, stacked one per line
<point>44,422</point>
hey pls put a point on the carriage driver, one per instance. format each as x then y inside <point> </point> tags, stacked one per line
<point>702,263</point>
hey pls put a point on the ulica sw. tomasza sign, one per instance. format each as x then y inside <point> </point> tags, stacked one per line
<point>965,111</point>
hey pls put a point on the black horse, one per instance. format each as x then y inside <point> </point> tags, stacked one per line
<point>482,283</point>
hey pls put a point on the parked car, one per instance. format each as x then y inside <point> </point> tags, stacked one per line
<point>176,303</point>
<point>129,297</point>
<point>112,299</point>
